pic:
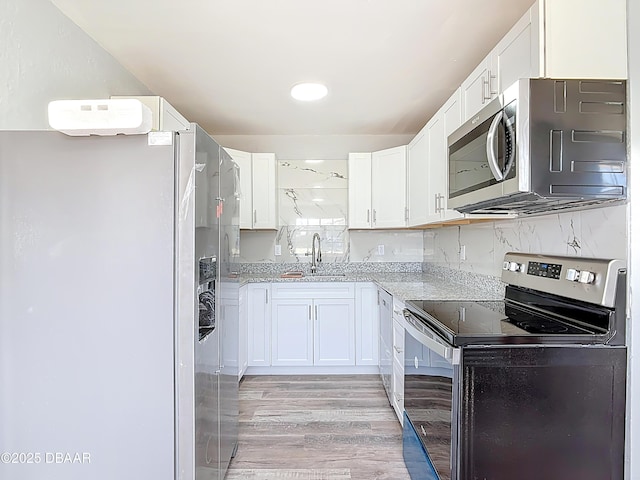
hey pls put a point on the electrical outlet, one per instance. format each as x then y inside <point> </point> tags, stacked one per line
<point>278,250</point>
<point>463,252</point>
<point>380,249</point>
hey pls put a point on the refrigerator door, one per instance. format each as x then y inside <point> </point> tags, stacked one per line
<point>207,350</point>
<point>229,221</point>
<point>86,307</point>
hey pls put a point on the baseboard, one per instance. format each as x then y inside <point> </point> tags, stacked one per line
<point>314,370</point>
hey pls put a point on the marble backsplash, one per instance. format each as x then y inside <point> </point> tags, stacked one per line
<point>313,198</point>
<point>598,232</point>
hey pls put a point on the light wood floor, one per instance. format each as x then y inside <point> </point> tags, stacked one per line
<point>338,427</point>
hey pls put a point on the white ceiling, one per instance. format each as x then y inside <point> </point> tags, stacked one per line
<point>229,65</point>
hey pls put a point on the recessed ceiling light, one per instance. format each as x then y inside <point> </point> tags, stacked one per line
<point>308,92</point>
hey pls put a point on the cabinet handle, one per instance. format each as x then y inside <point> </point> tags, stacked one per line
<point>406,214</point>
<point>486,84</point>
<point>255,216</point>
<point>423,430</point>
<point>374,216</point>
<point>309,312</point>
<point>397,349</point>
<point>378,292</point>
<point>436,196</point>
<point>266,296</point>
<point>368,215</point>
<point>491,90</point>
<point>398,399</point>
<point>316,312</point>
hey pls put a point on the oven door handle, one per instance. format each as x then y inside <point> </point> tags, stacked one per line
<point>428,339</point>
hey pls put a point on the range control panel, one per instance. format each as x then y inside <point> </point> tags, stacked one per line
<point>548,270</point>
<point>591,280</point>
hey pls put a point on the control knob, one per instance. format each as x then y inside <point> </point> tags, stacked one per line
<point>516,267</point>
<point>573,275</point>
<point>586,277</point>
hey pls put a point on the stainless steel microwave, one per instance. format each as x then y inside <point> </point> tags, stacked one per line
<point>542,145</point>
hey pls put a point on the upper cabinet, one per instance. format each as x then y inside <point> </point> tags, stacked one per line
<point>427,173</point>
<point>377,189</point>
<point>388,187</point>
<point>258,189</point>
<point>554,39</point>
<point>359,174</point>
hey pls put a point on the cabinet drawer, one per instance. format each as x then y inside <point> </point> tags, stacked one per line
<point>397,398</point>
<point>398,343</point>
<point>313,290</point>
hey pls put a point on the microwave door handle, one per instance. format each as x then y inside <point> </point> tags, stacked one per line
<point>491,150</point>
<point>511,145</point>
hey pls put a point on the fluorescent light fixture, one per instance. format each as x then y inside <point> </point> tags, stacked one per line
<point>308,92</point>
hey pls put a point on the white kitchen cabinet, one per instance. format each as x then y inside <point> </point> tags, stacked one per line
<point>265,191</point>
<point>450,118</point>
<point>243,160</point>
<point>334,332</point>
<point>553,39</point>
<point>243,331</point>
<point>259,324</point>
<point>377,189</point>
<point>313,324</point>
<point>418,173</point>
<point>258,189</point>
<point>397,397</point>
<point>385,355</point>
<point>476,88</point>
<point>366,324</point>
<point>388,187</point>
<point>359,174</point>
<point>292,332</point>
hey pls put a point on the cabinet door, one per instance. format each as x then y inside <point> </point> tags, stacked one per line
<point>476,91</point>
<point>243,331</point>
<point>437,164</point>
<point>388,187</point>
<point>334,335</point>
<point>367,324</point>
<point>518,53</point>
<point>359,190</point>
<point>243,159</point>
<point>452,115</point>
<point>292,332</point>
<point>263,177</point>
<point>417,176</point>
<point>259,324</point>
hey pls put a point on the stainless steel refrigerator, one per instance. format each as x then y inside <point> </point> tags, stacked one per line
<point>118,306</point>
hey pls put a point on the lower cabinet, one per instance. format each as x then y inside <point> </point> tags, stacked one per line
<point>312,332</point>
<point>324,324</point>
<point>258,324</point>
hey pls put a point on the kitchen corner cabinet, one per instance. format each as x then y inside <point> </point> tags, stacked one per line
<point>367,324</point>
<point>258,324</point>
<point>427,171</point>
<point>313,324</point>
<point>258,188</point>
<point>377,189</point>
<point>553,39</point>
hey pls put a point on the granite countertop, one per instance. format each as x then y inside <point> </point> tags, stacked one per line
<point>403,286</point>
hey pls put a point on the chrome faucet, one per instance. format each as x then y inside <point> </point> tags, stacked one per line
<point>315,259</point>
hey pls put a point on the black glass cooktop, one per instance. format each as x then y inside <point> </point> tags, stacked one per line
<point>498,322</point>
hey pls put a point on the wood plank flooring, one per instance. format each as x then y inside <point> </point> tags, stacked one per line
<point>338,427</point>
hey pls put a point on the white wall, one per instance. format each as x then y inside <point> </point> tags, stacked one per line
<point>44,56</point>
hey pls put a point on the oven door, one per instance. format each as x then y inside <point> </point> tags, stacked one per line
<point>431,397</point>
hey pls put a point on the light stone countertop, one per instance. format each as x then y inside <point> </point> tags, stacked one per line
<point>403,286</point>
